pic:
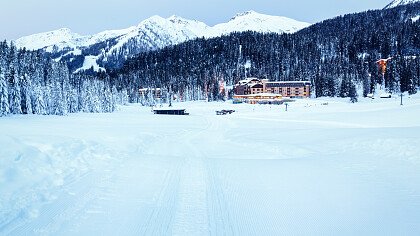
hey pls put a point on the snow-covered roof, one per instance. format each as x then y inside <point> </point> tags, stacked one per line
<point>256,85</point>
<point>169,109</point>
<point>287,82</point>
<point>385,95</point>
<point>149,89</point>
<point>247,80</point>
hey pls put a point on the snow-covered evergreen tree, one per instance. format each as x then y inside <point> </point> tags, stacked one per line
<point>73,102</point>
<point>26,95</point>
<point>114,93</point>
<point>14,92</point>
<point>31,83</point>
<point>66,88</point>
<point>4,95</point>
<point>39,106</point>
<point>95,90</point>
<point>353,93</point>
<point>107,102</point>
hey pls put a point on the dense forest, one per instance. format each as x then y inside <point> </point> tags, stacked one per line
<point>31,83</point>
<point>337,55</point>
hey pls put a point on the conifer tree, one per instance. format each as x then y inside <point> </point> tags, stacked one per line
<point>4,95</point>
<point>14,92</point>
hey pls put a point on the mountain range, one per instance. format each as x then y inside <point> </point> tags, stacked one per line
<point>109,49</point>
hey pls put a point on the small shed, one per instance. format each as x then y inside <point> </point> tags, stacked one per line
<point>170,112</point>
<point>385,95</point>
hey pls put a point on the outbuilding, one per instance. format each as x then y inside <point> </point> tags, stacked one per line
<point>170,112</point>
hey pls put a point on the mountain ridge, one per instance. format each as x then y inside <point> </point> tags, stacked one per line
<point>33,42</point>
<point>396,3</point>
<point>112,47</point>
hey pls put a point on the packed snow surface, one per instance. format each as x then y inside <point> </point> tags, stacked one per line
<point>324,167</point>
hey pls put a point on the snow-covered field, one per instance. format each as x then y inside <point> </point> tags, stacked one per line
<point>336,169</point>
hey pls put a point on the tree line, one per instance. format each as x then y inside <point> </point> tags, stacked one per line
<point>32,83</point>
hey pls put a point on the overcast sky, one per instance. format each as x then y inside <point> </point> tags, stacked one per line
<point>24,17</point>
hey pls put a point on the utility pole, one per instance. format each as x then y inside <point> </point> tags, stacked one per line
<point>170,96</point>
<point>401,99</point>
<point>238,63</point>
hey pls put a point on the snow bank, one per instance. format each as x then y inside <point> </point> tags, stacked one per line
<point>33,167</point>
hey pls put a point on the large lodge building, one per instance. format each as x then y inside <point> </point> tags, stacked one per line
<point>256,91</point>
<point>291,89</point>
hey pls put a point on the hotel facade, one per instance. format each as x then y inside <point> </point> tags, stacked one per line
<point>290,89</point>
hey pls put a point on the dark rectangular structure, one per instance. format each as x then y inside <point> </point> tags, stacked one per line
<point>170,112</point>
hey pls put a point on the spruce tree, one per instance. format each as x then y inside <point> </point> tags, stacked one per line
<point>27,95</point>
<point>4,95</point>
<point>14,92</point>
<point>352,92</point>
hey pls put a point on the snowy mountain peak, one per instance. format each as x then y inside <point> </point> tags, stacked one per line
<point>254,21</point>
<point>65,30</point>
<point>396,3</point>
<point>245,21</point>
<point>113,47</point>
<point>182,21</point>
<point>153,19</point>
<point>251,12</point>
<point>41,40</point>
<point>178,19</point>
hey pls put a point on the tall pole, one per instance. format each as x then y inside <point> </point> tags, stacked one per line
<point>170,95</point>
<point>383,81</point>
<point>401,99</point>
<point>239,61</point>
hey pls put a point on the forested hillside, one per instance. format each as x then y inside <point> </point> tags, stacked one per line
<point>31,83</point>
<point>336,55</point>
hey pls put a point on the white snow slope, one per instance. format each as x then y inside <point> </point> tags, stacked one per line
<point>317,169</point>
<point>177,28</point>
<point>253,21</point>
<point>90,62</point>
<point>396,3</point>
